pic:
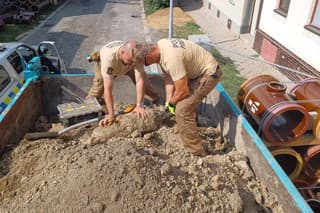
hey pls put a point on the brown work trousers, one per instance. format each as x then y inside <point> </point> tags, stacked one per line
<point>186,112</point>
<point>97,85</point>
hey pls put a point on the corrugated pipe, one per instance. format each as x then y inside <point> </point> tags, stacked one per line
<point>311,159</point>
<point>307,92</point>
<point>33,1</point>
<point>12,1</point>
<point>14,7</point>
<point>280,120</point>
<point>23,7</point>
<point>34,8</point>
<point>290,160</point>
<point>43,4</point>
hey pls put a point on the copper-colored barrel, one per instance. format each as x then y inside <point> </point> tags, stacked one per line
<point>309,91</point>
<point>280,120</point>
<point>311,161</point>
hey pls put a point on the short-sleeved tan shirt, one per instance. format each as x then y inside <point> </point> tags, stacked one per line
<point>180,57</point>
<point>111,63</point>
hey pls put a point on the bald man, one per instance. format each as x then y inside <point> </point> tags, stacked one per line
<point>117,59</point>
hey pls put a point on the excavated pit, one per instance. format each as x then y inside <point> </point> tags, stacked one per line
<point>132,166</point>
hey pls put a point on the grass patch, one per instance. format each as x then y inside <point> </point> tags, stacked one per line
<point>231,79</point>
<point>151,6</point>
<point>182,32</point>
<point>11,31</point>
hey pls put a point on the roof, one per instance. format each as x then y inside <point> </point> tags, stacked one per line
<point>6,48</point>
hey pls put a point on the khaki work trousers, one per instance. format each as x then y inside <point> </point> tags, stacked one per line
<point>96,90</point>
<point>97,85</point>
<point>186,112</point>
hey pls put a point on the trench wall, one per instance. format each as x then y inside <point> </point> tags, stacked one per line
<point>22,111</point>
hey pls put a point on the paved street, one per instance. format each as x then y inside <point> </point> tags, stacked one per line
<point>82,26</point>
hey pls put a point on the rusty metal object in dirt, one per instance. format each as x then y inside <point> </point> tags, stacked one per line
<point>71,113</point>
<point>307,93</point>
<point>39,135</point>
<point>290,160</point>
<point>311,159</point>
<point>279,118</point>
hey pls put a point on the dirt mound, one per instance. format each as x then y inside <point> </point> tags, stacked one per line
<point>160,18</point>
<point>148,173</point>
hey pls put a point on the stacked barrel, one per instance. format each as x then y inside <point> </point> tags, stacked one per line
<point>287,121</point>
<point>21,11</point>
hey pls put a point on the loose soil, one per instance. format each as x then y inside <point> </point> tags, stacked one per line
<point>160,19</point>
<point>143,169</point>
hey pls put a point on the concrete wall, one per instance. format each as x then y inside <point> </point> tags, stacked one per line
<point>290,32</point>
<point>24,112</point>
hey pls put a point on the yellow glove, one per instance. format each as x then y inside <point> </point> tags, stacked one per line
<point>170,108</point>
<point>94,56</point>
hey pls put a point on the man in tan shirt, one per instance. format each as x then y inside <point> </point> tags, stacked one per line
<point>117,59</point>
<point>96,90</point>
<point>190,74</point>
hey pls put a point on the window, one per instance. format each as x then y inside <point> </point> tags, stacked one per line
<point>314,25</point>
<point>283,7</point>
<point>26,52</point>
<point>4,78</point>
<point>16,61</point>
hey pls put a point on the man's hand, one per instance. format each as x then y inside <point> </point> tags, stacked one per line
<point>107,121</point>
<point>170,108</point>
<point>141,112</point>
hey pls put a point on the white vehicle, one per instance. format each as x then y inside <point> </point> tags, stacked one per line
<point>18,58</point>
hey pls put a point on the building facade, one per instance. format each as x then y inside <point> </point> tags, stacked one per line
<point>289,34</point>
<point>284,32</point>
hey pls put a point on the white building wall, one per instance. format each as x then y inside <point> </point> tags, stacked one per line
<point>290,32</point>
<point>233,11</point>
<point>230,9</point>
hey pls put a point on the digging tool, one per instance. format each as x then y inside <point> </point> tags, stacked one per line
<point>39,135</point>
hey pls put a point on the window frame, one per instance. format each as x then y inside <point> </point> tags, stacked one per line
<point>314,28</point>
<point>12,59</point>
<point>281,10</point>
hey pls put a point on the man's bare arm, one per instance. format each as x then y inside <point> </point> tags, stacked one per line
<point>108,97</point>
<point>140,84</point>
<point>181,90</point>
